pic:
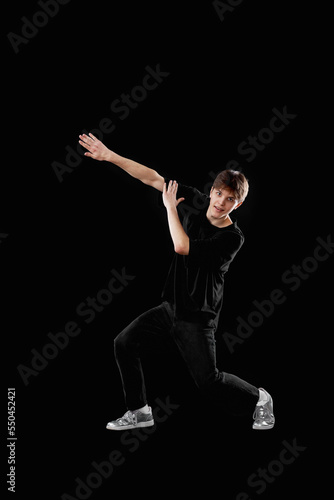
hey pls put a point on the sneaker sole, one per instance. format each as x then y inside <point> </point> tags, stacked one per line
<point>150,423</point>
<point>263,428</point>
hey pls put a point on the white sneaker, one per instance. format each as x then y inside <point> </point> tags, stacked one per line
<point>132,420</point>
<point>264,414</point>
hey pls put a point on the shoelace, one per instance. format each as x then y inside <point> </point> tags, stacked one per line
<point>128,418</point>
<point>262,413</point>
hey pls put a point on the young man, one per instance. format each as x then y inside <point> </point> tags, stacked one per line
<point>205,244</point>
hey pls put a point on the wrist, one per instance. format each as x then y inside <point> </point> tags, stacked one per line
<point>171,208</point>
<point>112,157</point>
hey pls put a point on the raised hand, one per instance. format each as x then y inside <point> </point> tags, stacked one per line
<point>96,148</point>
<point>169,195</point>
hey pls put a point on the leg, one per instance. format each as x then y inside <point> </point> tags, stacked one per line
<point>135,339</point>
<point>198,348</point>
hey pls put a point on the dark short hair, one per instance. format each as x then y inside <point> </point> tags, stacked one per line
<point>234,180</point>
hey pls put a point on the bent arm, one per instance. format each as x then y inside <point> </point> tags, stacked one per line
<point>98,151</point>
<point>179,236</point>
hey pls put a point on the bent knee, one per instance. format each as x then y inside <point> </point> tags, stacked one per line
<point>122,343</point>
<point>119,343</point>
<point>207,381</point>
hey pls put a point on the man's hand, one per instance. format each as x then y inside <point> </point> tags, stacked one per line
<point>169,195</point>
<point>96,148</point>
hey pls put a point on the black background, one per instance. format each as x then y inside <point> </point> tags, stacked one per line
<point>60,240</point>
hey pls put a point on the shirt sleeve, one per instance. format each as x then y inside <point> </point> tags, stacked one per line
<point>217,251</point>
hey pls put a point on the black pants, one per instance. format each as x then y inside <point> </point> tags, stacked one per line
<point>197,345</point>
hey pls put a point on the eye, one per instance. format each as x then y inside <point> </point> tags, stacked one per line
<point>219,193</point>
<point>231,199</point>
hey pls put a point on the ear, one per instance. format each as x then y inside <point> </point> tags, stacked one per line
<point>211,191</point>
<point>237,206</point>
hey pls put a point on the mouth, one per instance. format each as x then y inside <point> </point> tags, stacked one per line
<point>218,210</point>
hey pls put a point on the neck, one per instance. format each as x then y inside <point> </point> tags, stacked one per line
<point>224,221</point>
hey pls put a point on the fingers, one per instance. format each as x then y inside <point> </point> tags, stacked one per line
<point>169,194</point>
<point>90,139</point>
<point>87,141</point>
<point>84,145</point>
<point>172,186</point>
<point>180,200</point>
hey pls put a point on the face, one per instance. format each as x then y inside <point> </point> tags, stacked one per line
<point>222,203</point>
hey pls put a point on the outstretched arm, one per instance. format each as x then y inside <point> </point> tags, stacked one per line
<point>97,150</point>
<point>178,234</point>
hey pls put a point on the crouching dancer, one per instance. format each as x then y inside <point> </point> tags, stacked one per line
<point>205,244</point>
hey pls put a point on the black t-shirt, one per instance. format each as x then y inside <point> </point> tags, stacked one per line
<point>195,282</point>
